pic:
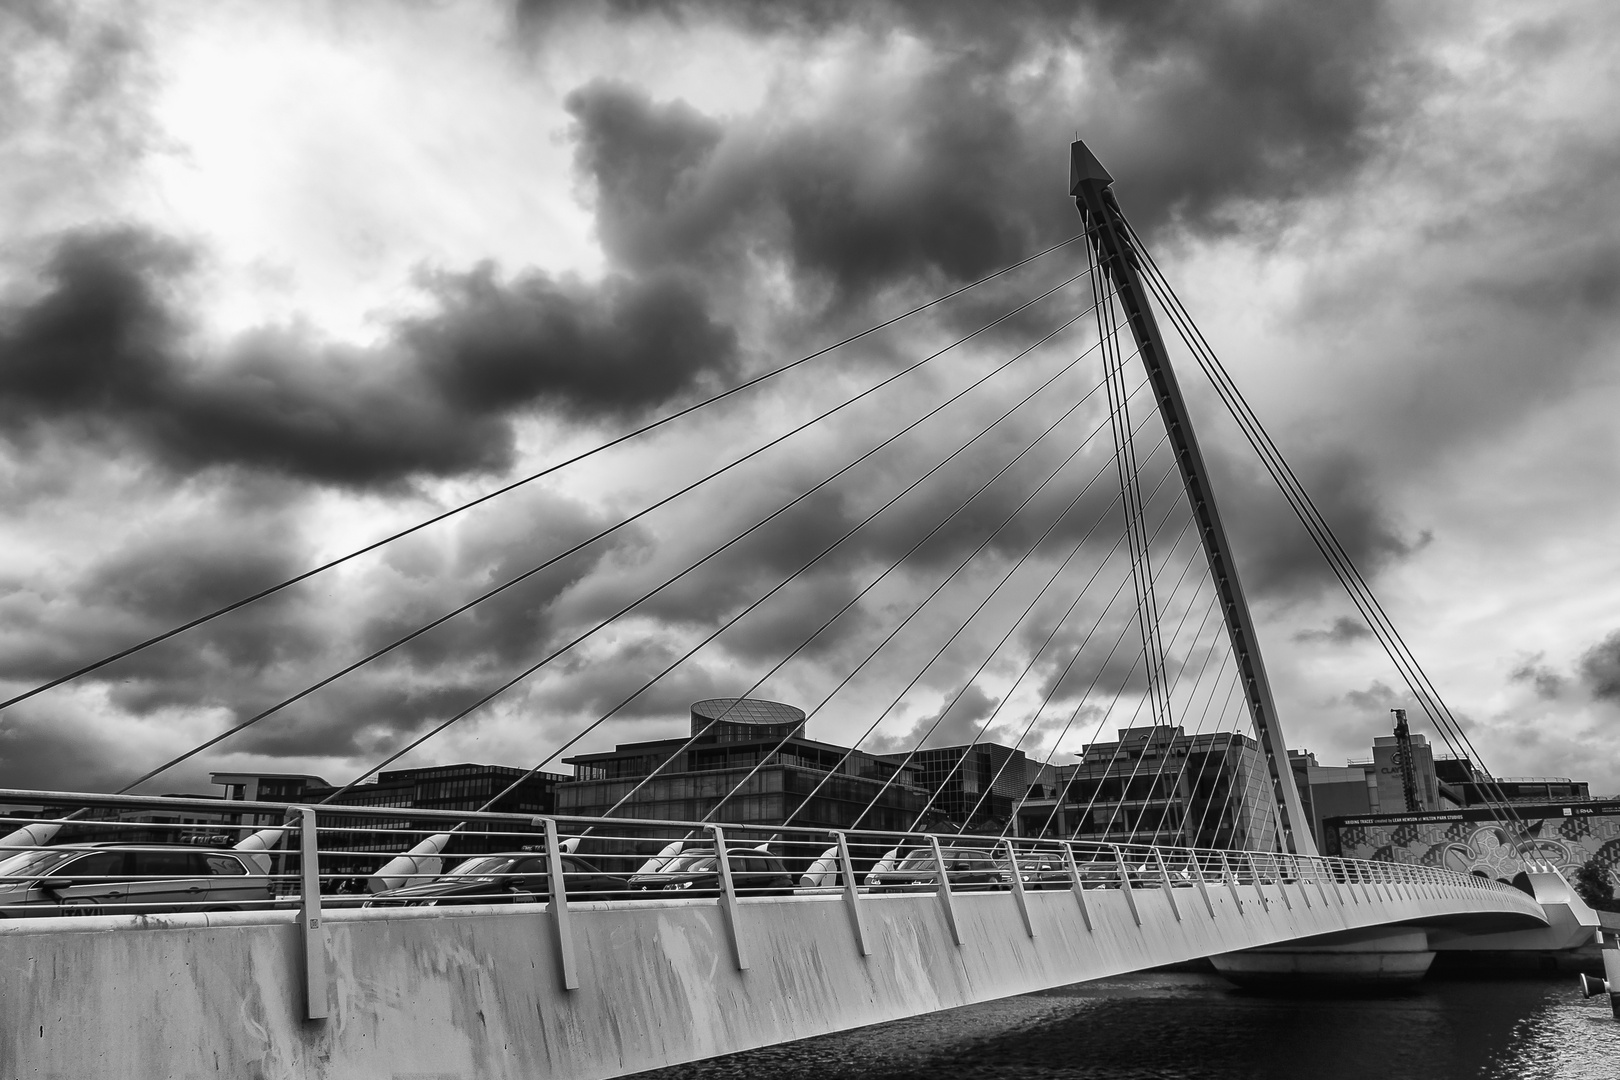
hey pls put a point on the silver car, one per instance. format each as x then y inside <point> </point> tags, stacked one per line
<point>104,879</point>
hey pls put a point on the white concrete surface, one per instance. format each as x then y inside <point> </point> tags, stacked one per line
<point>476,992</point>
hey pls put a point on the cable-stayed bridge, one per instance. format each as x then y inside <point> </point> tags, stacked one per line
<point>314,944</point>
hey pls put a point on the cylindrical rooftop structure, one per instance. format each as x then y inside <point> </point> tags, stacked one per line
<point>746,719</point>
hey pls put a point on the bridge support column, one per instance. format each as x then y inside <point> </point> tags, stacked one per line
<point>309,917</point>
<point>728,897</point>
<point>852,894</point>
<point>1169,887</point>
<point>557,905</point>
<point>1231,882</point>
<point>1125,884</point>
<point>1380,957</point>
<point>1197,866</point>
<point>945,901</point>
<point>1018,888</point>
<point>1079,889</point>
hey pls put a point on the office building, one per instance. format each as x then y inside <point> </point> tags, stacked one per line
<point>1159,784</point>
<point>973,787</point>
<point>749,762</point>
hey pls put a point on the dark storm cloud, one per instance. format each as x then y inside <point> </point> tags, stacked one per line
<point>367,720</point>
<point>849,202</point>
<point>519,624</point>
<point>955,724</point>
<point>613,346</point>
<point>1600,668</point>
<point>590,688</point>
<point>1548,682</point>
<point>1378,697</point>
<point>154,576</point>
<point>104,353</point>
<point>1276,556</point>
<point>40,752</point>
<point>955,167</point>
<point>1344,630</point>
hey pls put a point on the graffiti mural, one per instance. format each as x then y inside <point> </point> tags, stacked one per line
<point>1474,841</point>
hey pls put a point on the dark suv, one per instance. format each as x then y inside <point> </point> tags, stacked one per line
<point>103,879</point>
<point>518,877</point>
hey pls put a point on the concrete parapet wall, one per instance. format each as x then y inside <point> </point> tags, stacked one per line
<point>476,992</point>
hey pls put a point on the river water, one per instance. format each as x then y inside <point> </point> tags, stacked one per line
<point>1197,1027</point>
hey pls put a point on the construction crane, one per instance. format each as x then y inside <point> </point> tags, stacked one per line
<point>1403,760</point>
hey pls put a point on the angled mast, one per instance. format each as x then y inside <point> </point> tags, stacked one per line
<point>1090,184</point>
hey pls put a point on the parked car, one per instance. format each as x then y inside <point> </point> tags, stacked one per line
<point>1038,870</point>
<point>1099,875</point>
<point>965,868</point>
<point>101,879</point>
<point>514,877</point>
<point>754,872</point>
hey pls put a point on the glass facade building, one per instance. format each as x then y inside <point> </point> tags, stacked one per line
<point>1161,785</point>
<point>975,787</point>
<point>814,783</point>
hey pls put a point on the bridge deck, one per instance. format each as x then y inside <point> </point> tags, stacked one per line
<point>479,991</point>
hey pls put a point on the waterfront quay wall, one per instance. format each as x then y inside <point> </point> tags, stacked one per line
<point>479,992</point>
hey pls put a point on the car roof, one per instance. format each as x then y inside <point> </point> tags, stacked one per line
<point>117,846</point>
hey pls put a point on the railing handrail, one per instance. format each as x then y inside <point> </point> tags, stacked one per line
<point>1266,865</point>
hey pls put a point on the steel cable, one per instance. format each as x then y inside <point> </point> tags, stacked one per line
<point>418,632</point>
<point>550,469</point>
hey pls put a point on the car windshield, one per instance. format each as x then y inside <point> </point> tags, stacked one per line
<point>483,867</point>
<point>26,863</point>
<point>919,860</point>
<point>689,864</point>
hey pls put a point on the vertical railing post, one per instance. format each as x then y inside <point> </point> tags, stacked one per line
<point>1254,874</point>
<point>852,893</point>
<point>728,897</point>
<point>1079,889</point>
<point>1196,862</point>
<point>1018,888</point>
<point>1231,882</point>
<point>1316,876</point>
<point>1125,882</point>
<point>557,888</point>
<point>1280,873</point>
<point>945,901</point>
<point>309,917</point>
<point>1169,888</point>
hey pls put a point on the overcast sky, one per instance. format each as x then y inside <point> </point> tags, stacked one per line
<point>279,278</point>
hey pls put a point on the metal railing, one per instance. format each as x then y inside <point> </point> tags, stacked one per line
<point>102,854</point>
